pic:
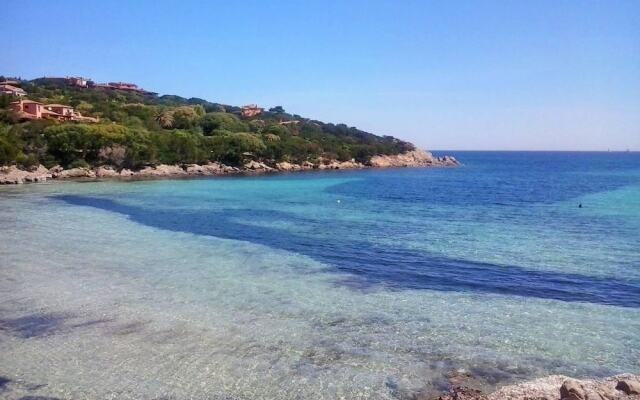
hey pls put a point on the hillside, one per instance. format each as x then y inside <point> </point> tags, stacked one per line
<point>125,127</point>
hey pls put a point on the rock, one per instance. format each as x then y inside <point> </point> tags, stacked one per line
<point>335,164</point>
<point>212,168</point>
<point>307,165</point>
<point>105,172</point>
<point>126,172</point>
<point>162,170</point>
<point>629,386</point>
<point>464,393</point>
<point>554,386</point>
<point>255,166</point>
<point>75,173</point>
<point>55,169</point>
<point>195,169</point>
<point>288,167</point>
<point>14,175</point>
<point>414,158</point>
<point>571,389</point>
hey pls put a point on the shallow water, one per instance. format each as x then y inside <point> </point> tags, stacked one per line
<point>363,284</point>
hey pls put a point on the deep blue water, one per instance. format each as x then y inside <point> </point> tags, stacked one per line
<point>505,223</point>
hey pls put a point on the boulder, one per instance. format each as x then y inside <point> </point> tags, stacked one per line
<point>75,173</point>
<point>126,172</point>
<point>55,169</point>
<point>195,169</point>
<point>105,172</point>
<point>162,170</point>
<point>15,175</point>
<point>628,386</point>
<point>464,393</point>
<point>307,165</point>
<point>286,166</point>
<point>571,389</point>
<point>11,175</point>
<point>256,166</point>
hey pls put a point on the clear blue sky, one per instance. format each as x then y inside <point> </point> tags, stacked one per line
<point>443,74</point>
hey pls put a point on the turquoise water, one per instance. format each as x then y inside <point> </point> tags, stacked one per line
<point>360,284</point>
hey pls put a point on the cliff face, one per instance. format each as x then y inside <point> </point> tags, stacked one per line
<point>415,158</point>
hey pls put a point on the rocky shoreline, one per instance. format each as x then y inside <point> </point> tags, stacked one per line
<point>415,158</point>
<point>554,387</point>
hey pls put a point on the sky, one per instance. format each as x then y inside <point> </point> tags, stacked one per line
<point>456,75</point>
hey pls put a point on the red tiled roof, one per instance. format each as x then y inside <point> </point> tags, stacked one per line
<point>25,101</point>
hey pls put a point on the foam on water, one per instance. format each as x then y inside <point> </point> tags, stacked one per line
<point>96,303</point>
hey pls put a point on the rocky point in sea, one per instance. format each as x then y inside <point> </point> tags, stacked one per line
<point>415,158</point>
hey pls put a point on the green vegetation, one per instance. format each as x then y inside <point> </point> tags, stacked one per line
<point>137,130</point>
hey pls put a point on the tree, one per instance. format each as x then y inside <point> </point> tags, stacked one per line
<point>217,122</point>
<point>185,117</point>
<point>165,119</point>
<point>277,110</point>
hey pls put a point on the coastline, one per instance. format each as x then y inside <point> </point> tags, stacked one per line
<point>412,159</point>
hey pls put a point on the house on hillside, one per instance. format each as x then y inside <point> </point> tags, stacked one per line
<point>29,109</point>
<point>65,112</point>
<point>251,110</point>
<point>128,87</point>
<point>6,88</point>
<point>79,81</point>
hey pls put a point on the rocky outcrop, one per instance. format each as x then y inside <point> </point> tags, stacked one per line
<point>106,172</point>
<point>161,170</point>
<point>74,173</point>
<point>255,166</point>
<point>335,164</point>
<point>288,167</point>
<point>212,168</point>
<point>13,175</point>
<point>415,158</point>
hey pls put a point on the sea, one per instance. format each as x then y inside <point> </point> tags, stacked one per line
<point>367,284</point>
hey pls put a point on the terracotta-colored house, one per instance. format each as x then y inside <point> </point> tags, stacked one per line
<point>251,110</point>
<point>65,112</point>
<point>29,109</point>
<point>6,88</point>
